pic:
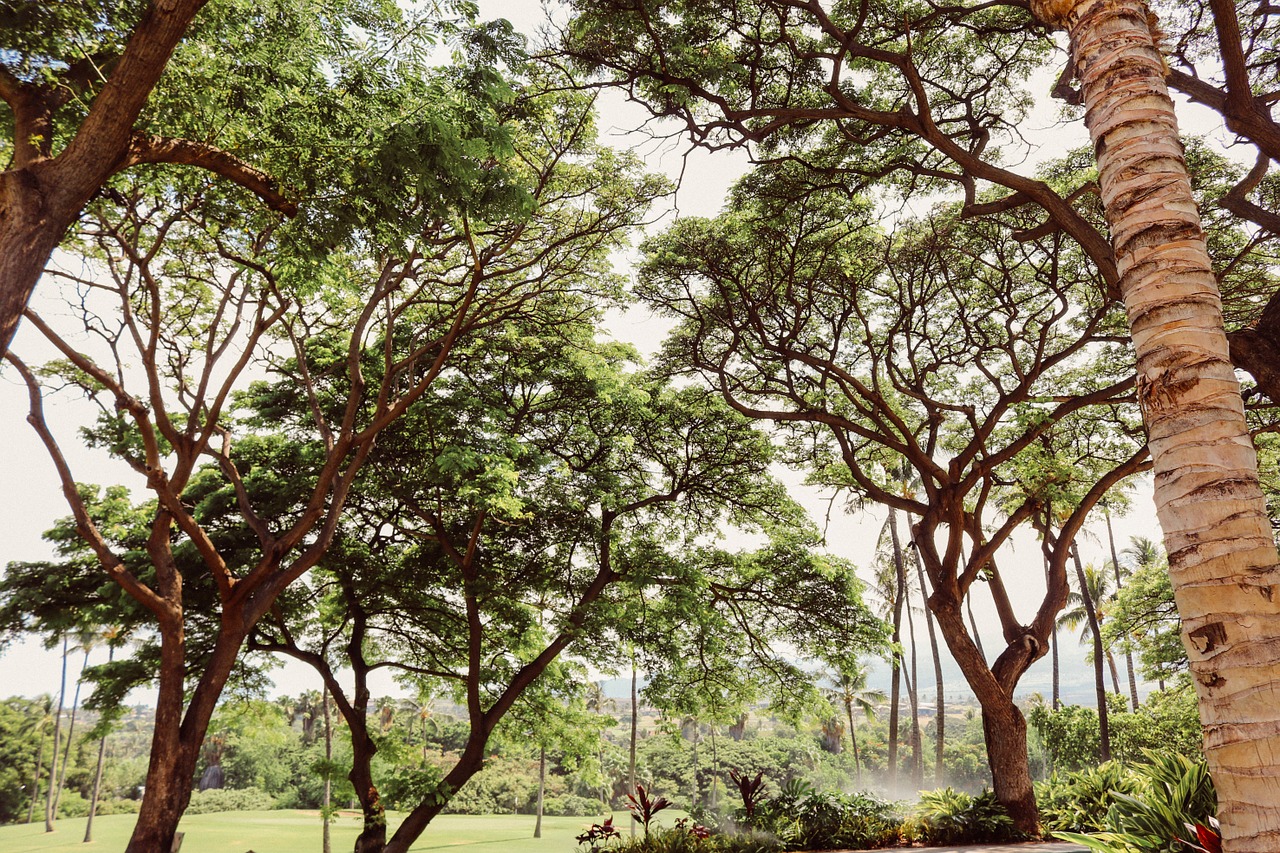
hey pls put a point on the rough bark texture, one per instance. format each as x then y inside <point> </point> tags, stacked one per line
<point>1222,558</point>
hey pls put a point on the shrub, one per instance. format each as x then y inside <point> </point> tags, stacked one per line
<point>571,805</point>
<point>685,838</point>
<point>230,800</point>
<point>72,804</point>
<point>1078,802</point>
<point>1174,801</point>
<point>947,816</point>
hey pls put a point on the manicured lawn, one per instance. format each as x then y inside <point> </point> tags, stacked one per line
<point>299,832</point>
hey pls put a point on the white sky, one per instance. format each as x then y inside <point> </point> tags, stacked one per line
<point>30,499</point>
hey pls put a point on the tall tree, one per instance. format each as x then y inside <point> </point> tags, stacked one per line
<point>191,300</point>
<point>912,96</point>
<point>786,308</point>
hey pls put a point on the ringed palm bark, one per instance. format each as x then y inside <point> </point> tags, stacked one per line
<point>1222,557</point>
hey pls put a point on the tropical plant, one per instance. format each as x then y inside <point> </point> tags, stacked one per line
<point>644,807</point>
<point>598,835</point>
<point>1175,800</point>
<point>1078,801</point>
<point>751,789</point>
<point>947,816</point>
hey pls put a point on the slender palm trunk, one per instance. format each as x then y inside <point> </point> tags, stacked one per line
<point>542,789</point>
<point>1053,652</point>
<point>635,721</point>
<point>1222,556</point>
<point>913,697</point>
<point>97,774</point>
<point>940,702</point>
<point>1128,652</point>
<point>71,733</point>
<point>327,807</point>
<point>895,694</point>
<point>853,739</point>
<point>1099,679</point>
<point>49,816</point>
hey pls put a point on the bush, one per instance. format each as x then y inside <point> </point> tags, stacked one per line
<point>803,819</point>
<point>948,816</point>
<point>230,800</point>
<point>1174,800</point>
<point>1078,802</point>
<point>117,806</point>
<point>72,804</point>
<point>571,805</point>
<point>685,838</point>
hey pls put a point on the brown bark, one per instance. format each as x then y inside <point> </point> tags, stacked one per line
<point>895,697</point>
<point>1222,557</point>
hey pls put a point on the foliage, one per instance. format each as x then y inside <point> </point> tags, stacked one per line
<point>598,835</point>
<point>1167,720</point>
<point>644,806</point>
<point>230,800</point>
<point>751,789</point>
<point>1078,801</point>
<point>947,816</point>
<point>1173,796</point>
<point>685,838</point>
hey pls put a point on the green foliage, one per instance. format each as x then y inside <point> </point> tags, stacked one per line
<point>947,816</point>
<point>687,839</point>
<point>23,722</point>
<point>1078,801</point>
<point>230,800</point>
<point>1168,721</point>
<point>1169,793</point>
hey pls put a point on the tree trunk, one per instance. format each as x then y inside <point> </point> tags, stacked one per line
<point>940,702</point>
<point>1222,556</point>
<point>1099,678</point>
<point>97,774</point>
<point>913,699</point>
<point>1128,652</point>
<point>853,739</point>
<point>416,821</point>
<point>542,789</point>
<point>373,831</point>
<point>49,816</point>
<point>973,623</point>
<point>327,802</point>
<point>180,727</point>
<point>895,694</point>
<point>35,778</point>
<point>635,717</point>
<point>71,733</point>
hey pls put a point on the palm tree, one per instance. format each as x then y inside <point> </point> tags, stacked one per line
<point>1093,588</point>
<point>1119,573</point>
<point>851,691</point>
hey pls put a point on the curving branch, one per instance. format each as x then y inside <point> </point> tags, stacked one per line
<point>150,148</point>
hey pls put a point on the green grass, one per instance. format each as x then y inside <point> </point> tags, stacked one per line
<point>299,832</point>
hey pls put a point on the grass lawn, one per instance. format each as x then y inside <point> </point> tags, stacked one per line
<point>299,832</point>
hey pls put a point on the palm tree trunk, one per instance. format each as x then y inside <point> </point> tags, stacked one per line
<point>542,789</point>
<point>1223,560</point>
<point>895,695</point>
<point>326,842</point>
<point>635,719</point>
<point>1128,652</point>
<point>913,696</point>
<point>1099,679</point>
<point>1053,652</point>
<point>71,731</point>
<point>940,707</point>
<point>853,738</point>
<point>97,774</point>
<point>49,816</point>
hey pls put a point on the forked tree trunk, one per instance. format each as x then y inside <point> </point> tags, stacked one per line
<point>1222,557</point>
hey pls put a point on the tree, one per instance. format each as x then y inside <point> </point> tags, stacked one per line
<point>1091,591</point>
<point>196,298</point>
<point>922,108</point>
<point>786,307</point>
<point>850,690</point>
<point>1145,616</point>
